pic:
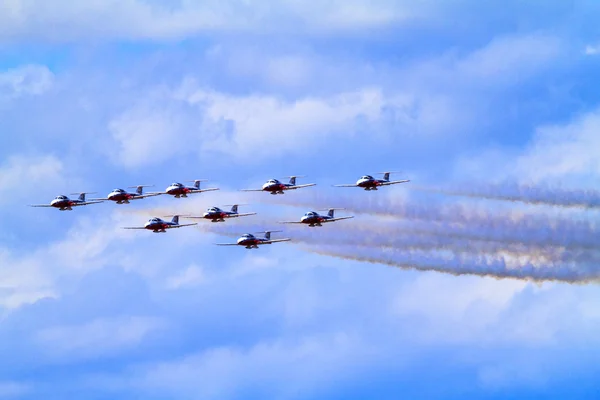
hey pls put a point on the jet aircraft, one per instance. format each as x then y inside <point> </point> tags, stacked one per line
<point>276,187</point>
<point>180,190</point>
<point>63,203</point>
<point>313,218</point>
<point>367,182</point>
<point>215,214</point>
<point>250,241</point>
<point>121,196</point>
<point>158,225</point>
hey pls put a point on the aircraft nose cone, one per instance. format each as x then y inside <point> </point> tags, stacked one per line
<point>206,215</point>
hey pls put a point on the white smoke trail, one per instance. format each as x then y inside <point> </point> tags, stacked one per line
<point>465,222</point>
<point>543,247</point>
<point>496,267</point>
<point>528,194</point>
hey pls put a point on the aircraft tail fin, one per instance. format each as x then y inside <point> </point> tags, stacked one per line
<point>234,207</point>
<point>268,234</point>
<point>293,179</point>
<point>139,189</point>
<point>176,217</point>
<point>386,174</point>
<point>197,182</point>
<point>82,195</point>
<point>331,211</point>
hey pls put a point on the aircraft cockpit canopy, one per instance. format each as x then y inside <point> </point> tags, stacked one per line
<point>118,191</point>
<point>61,197</point>
<point>366,177</point>
<point>155,219</point>
<point>177,184</point>
<point>248,235</point>
<point>273,181</point>
<point>310,214</point>
<point>213,209</point>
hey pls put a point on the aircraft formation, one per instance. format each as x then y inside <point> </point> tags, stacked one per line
<point>216,214</point>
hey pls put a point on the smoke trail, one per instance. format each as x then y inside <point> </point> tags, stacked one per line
<point>460,221</point>
<point>528,194</point>
<point>495,267</point>
<point>546,248</point>
<point>365,236</point>
<point>406,209</point>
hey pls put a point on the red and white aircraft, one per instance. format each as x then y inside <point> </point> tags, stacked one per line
<point>250,241</point>
<point>313,218</point>
<point>158,225</point>
<point>367,182</point>
<point>215,214</point>
<point>63,203</point>
<point>121,196</point>
<point>274,186</point>
<point>180,190</point>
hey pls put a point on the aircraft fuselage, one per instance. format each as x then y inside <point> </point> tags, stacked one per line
<point>275,188</point>
<point>216,216</point>
<point>121,197</point>
<point>179,191</point>
<point>63,204</point>
<point>314,220</point>
<point>369,184</point>
<point>157,226</point>
<point>250,243</point>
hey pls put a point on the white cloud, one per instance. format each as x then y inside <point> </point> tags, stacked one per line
<point>261,122</point>
<point>286,367</point>
<point>502,63</point>
<point>98,337</point>
<point>145,19</point>
<point>191,276</point>
<point>41,172</point>
<point>510,59</point>
<point>591,50</point>
<point>249,127</point>
<point>28,277</point>
<point>154,130</point>
<point>25,80</point>
<point>558,151</point>
<point>9,390</point>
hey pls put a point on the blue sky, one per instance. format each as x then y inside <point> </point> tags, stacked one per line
<point>457,95</point>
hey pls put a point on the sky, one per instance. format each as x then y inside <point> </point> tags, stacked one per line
<point>477,279</point>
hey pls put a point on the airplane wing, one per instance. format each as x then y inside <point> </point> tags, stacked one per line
<point>275,241</point>
<point>180,225</point>
<point>290,222</point>
<point>87,203</point>
<point>143,196</point>
<point>226,244</point>
<point>203,190</point>
<point>40,205</point>
<point>338,219</point>
<point>394,182</point>
<point>251,190</point>
<point>346,185</point>
<point>241,215</point>
<point>135,227</point>
<point>300,186</point>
